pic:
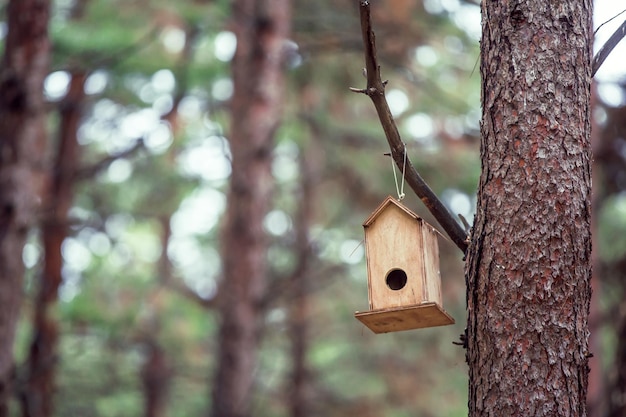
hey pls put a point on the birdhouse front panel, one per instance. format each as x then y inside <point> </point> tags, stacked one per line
<point>396,271</point>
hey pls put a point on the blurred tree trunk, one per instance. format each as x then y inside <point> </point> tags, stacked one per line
<point>595,388</point>
<point>156,376</point>
<point>258,71</point>
<point>610,170</point>
<point>39,388</point>
<point>22,144</point>
<point>616,398</point>
<point>299,308</point>
<point>299,334</point>
<point>528,266</point>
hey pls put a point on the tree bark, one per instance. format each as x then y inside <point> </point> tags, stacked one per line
<point>38,396</point>
<point>258,71</point>
<point>528,268</point>
<point>22,142</point>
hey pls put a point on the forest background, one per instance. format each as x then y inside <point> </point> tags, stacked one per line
<point>143,88</point>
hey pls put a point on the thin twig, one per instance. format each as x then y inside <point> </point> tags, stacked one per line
<point>610,20</point>
<point>606,49</point>
<point>375,90</point>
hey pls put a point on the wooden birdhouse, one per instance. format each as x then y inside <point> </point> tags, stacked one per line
<point>402,271</point>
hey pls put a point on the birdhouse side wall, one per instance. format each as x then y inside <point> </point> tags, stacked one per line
<point>432,277</point>
<point>394,241</point>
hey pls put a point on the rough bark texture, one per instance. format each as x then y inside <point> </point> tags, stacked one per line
<point>528,266</point>
<point>37,399</point>
<point>261,28</point>
<point>22,140</point>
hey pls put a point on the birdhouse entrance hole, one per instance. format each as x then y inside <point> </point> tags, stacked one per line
<point>396,279</point>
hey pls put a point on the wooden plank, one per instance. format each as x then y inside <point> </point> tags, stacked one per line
<point>405,318</point>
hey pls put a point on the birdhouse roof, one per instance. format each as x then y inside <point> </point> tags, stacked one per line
<point>386,203</point>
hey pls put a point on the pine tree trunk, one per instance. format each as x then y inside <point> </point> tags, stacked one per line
<point>528,266</point>
<point>41,365</point>
<point>22,142</point>
<point>300,308</point>
<point>258,71</point>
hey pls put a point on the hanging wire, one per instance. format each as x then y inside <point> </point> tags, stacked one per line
<point>399,188</point>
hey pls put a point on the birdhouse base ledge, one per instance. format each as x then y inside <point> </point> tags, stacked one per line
<point>396,319</point>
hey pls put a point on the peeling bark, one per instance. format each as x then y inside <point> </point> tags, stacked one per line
<point>22,142</point>
<point>258,71</point>
<point>528,266</point>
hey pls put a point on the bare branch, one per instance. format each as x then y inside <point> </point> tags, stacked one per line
<point>607,48</point>
<point>375,90</point>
